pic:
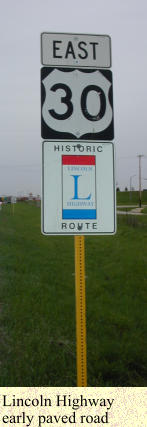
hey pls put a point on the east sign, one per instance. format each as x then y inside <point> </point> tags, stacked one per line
<point>83,50</point>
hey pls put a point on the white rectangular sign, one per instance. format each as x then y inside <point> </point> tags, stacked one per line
<point>82,50</point>
<point>78,188</point>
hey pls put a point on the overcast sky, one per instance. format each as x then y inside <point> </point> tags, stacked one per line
<point>21,23</point>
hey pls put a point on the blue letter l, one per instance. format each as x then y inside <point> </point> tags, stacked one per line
<point>76,189</point>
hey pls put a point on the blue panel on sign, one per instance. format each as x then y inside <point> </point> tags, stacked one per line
<point>79,214</point>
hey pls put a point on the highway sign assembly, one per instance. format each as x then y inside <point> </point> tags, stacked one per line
<point>83,50</point>
<point>78,176</point>
<point>78,188</point>
<point>76,103</point>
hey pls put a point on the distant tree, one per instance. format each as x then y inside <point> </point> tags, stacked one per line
<point>126,189</point>
<point>117,189</point>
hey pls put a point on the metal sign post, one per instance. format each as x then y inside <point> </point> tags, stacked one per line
<point>80,311</point>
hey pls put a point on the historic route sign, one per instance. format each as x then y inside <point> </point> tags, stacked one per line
<point>78,188</point>
<point>82,50</point>
<point>76,103</point>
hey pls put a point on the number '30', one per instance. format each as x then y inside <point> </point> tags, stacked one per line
<point>67,100</point>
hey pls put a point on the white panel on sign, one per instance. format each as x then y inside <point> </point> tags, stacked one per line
<point>78,187</point>
<point>82,50</point>
<point>78,192</point>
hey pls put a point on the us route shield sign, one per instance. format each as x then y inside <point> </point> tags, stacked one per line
<point>77,104</point>
<point>78,188</point>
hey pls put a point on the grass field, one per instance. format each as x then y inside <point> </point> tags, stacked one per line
<point>37,303</point>
<point>125,197</point>
<point>144,210</point>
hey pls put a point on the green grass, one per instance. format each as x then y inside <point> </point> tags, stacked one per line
<point>37,303</point>
<point>144,210</point>
<point>126,209</point>
<point>127,198</point>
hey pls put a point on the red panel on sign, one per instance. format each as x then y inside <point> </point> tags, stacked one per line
<point>78,160</point>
